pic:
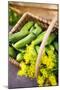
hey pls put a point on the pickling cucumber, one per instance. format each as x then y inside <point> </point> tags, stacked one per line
<point>27,40</point>
<point>22,33</point>
<point>12,52</point>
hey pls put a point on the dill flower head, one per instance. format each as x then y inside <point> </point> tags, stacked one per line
<point>44,72</point>
<point>49,60</point>
<point>40,80</point>
<point>52,79</point>
<point>22,71</point>
<point>31,71</point>
<point>48,63</point>
<point>30,54</point>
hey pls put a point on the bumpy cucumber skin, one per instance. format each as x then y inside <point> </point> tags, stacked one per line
<point>24,41</point>
<point>22,33</point>
<point>27,40</point>
<point>41,36</point>
<point>12,52</point>
<point>51,38</point>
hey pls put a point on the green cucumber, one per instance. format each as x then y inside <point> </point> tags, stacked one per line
<point>37,49</point>
<point>22,33</point>
<point>56,45</point>
<point>12,52</point>
<point>47,48</point>
<point>39,39</point>
<point>27,40</point>
<point>51,38</point>
<point>19,57</point>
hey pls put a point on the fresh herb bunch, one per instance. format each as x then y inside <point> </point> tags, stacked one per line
<point>47,65</point>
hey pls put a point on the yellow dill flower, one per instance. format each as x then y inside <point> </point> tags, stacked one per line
<point>44,59</point>
<point>52,79</point>
<point>30,54</point>
<point>48,61</point>
<point>22,71</point>
<point>28,66</point>
<point>44,72</point>
<point>40,80</point>
<point>31,71</point>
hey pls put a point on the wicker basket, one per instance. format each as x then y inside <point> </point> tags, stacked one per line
<point>26,17</point>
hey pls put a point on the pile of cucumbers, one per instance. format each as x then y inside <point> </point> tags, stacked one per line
<point>31,31</point>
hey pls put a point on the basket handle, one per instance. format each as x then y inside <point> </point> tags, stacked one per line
<point>43,45</point>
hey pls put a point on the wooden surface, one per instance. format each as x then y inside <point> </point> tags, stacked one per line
<point>42,10</point>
